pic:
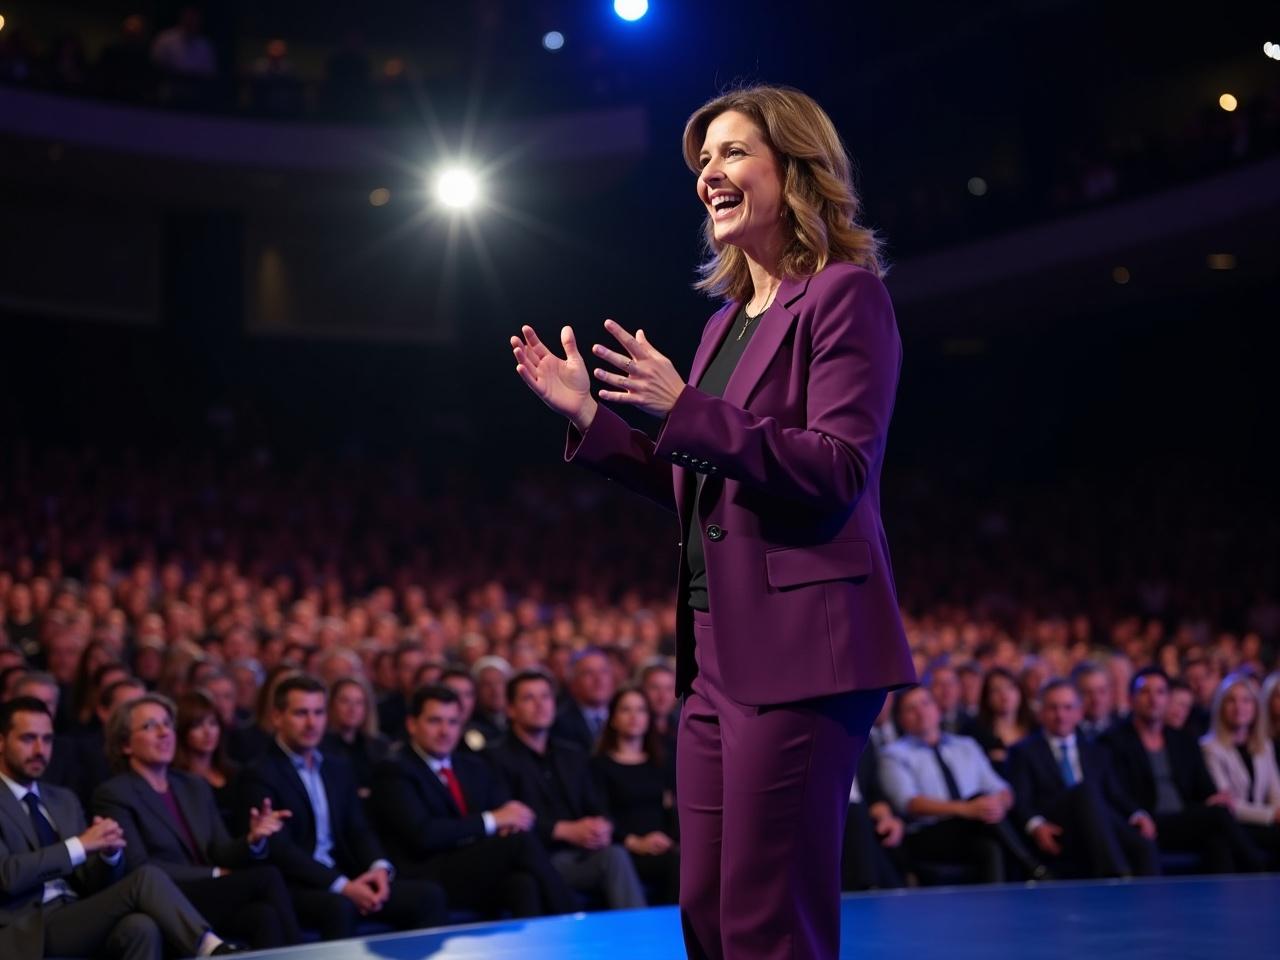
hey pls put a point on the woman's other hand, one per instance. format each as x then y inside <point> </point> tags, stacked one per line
<point>648,381</point>
<point>562,384</point>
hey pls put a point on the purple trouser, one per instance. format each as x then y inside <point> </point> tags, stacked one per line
<point>763,793</point>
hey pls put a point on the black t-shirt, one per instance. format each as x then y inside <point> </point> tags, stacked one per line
<point>713,382</point>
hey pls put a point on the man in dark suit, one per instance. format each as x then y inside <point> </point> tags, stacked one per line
<point>1097,696</point>
<point>1164,771</point>
<point>583,716</point>
<point>332,862</point>
<point>445,816</point>
<point>61,892</point>
<point>553,777</point>
<point>171,820</point>
<point>1067,799</point>
<point>64,768</point>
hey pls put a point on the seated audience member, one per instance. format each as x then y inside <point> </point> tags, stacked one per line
<point>331,860</point>
<point>98,668</point>
<point>201,751</point>
<point>1182,702</point>
<point>553,778</point>
<point>170,820</point>
<point>658,684</point>
<point>62,883</point>
<point>490,715</point>
<point>460,681</point>
<point>1164,771</point>
<point>62,767</point>
<point>1003,717</point>
<point>247,743</point>
<point>1097,699</point>
<point>1069,802</point>
<point>970,677</point>
<point>222,690</point>
<point>582,718</point>
<point>637,784</point>
<point>408,659</point>
<point>873,833</point>
<point>955,805</point>
<point>1270,701</point>
<point>91,748</point>
<point>944,683</point>
<point>1202,676</point>
<point>1242,763</point>
<point>883,731</point>
<point>445,816</point>
<point>353,731</point>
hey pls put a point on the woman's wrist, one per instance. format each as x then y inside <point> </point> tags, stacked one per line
<point>583,419</point>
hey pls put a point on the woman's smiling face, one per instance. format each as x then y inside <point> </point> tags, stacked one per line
<point>740,184</point>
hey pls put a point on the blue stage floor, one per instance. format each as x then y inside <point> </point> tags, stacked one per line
<point>1164,919</point>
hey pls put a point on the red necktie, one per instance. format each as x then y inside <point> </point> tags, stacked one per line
<point>455,788</point>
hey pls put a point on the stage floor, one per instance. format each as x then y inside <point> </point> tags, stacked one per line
<point>1180,918</point>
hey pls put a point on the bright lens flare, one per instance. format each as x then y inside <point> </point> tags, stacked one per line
<point>631,9</point>
<point>1227,102</point>
<point>457,189</point>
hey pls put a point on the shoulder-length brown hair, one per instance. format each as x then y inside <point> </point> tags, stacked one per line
<point>652,742</point>
<point>820,204</point>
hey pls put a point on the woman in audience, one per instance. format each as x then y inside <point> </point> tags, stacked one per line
<point>1003,717</point>
<point>1242,761</point>
<point>353,730</point>
<point>637,785</point>
<point>202,750</point>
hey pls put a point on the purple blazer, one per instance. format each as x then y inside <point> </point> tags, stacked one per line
<point>798,574</point>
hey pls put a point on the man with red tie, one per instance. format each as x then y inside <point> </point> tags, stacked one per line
<point>446,817</point>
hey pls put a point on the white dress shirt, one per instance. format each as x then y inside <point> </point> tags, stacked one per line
<point>438,766</point>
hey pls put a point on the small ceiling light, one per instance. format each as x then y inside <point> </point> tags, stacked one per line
<point>1120,275</point>
<point>379,197</point>
<point>1222,261</point>
<point>1227,102</point>
<point>977,186</point>
<point>552,41</point>
<point>1272,50</point>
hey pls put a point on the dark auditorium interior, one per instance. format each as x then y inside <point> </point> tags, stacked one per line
<point>260,420</point>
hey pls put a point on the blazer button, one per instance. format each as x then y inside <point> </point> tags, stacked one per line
<point>714,533</point>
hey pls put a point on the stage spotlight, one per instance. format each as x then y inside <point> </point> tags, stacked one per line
<point>631,10</point>
<point>379,197</point>
<point>1227,102</point>
<point>1120,275</point>
<point>977,186</point>
<point>552,40</point>
<point>457,189</point>
<point>1272,50</point>
<point>1,21</point>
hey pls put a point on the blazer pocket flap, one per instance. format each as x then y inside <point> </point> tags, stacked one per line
<point>837,560</point>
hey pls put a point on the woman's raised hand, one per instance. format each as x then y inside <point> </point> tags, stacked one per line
<point>562,384</point>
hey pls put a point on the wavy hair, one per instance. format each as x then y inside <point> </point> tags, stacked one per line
<point>1218,729</point>
<point>820,204</point>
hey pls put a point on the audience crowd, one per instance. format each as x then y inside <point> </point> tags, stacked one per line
<point>336,699</point>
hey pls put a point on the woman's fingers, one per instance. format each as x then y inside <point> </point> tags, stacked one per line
<point>612,356</point>
<point>629,343</point>
<point>607,376</point>
<point>569,342</point>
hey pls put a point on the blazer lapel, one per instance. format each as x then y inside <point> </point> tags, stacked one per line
<point>18,814</point>
<point>763,345</point>
<point>149,801</point>
<point>432,783</point>
<point>300,809</point>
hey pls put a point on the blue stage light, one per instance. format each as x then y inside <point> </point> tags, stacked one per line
<point>553,40</point>
<point>631,9</point>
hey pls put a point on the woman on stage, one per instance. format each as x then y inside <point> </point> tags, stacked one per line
<point>789,634</point>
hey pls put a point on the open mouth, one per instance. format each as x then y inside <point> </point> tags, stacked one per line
<point>723,203</point>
